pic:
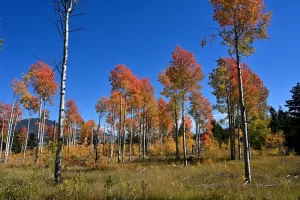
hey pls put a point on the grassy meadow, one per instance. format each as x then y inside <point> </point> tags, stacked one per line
<point>213,176</point>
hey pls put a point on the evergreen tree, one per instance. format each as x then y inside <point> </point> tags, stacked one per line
<point>218,132</point>
<point>293,120</point>
<point>31,141</point>
<point>294,103</point>
<point>274,124</point>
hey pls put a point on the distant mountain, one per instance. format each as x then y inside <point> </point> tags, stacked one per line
<point>33,127</point>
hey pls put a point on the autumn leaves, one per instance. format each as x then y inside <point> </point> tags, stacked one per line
<point>40,80</point>
<point>241,23</point>
<point>135,116</point>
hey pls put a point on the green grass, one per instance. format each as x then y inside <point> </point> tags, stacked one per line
<point>211,178</point>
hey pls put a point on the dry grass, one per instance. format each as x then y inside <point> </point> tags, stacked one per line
<point>211,177</point>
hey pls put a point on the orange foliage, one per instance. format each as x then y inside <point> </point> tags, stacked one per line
<point>22,134</point>
<point>42,77</point>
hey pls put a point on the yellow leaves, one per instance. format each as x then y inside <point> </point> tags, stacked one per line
<point>274,139</point>
<point>167,148</point>
<point>211,144</point>
<point>242,19</point>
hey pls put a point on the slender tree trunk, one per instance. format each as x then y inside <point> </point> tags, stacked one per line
<point>2,132</point>
<point>120,132</point>
<point>176,132</point>
<point>103,147</point>
<point>62,95</point>
<point>54,125</point>
<point>42,136</point>
<point>184,135</point>
<point>144,134</point>
<point>160,135</point>
<point>92,140</point>
<point>38,134</point>
<point>196,135</point>
<point>112,141</point>
<point>243,113</point>
<point>53,139</point>
<point>239,143</point>
<point>27,134</point>
<point>98,131</point>
<point>69,138</point>
<point>74,134</point>
<point>199,140</point>
<point>43,127</point>
<point>124,135</point>
<point>131,133</point>
<point>140,134</point>
<point>96,144</point>
<point>13,133</point>
<point>8,137</point>
<point>230,129</point>
<point>233,136</point>
<point>249,151</point>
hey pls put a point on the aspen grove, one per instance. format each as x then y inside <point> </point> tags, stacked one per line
<point>191,132</point>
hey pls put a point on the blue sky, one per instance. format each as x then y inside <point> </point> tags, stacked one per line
<point>141,34</point>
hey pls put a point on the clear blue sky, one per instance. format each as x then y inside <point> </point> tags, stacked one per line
<point>141,34</point>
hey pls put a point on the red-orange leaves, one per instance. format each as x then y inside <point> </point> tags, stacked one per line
<point>86,129</point>
<point>72,114</point>
<point>184,73</point>
<point>42,78</point>
<point>22,134</point>
<point>122,80</point>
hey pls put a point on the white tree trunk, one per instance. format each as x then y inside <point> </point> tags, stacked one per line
<point>184,137</point>
<point>112,142</point>
<point>8,137</point>
<point>124,138</point>
<point>13,133</point>
<point>2,132</point>
<point>38,134</point>
<point>43,128</point>
<point>103,147</point>
<point>144,134</point>
<point>244,127</point>
<point>62,95</point>
<point>131,133</point>
<point>140,133</point>
<point>120,132</point>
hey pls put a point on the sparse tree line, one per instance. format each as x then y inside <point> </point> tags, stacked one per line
<point>137,123</point>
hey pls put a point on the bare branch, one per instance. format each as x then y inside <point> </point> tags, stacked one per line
<point>76,15</point>
<point>57,27</point>
<point>230,54</point>
<point>220,34</point>
<point>54,63</point>
<point>76,29</point>
<point>223,37</point>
